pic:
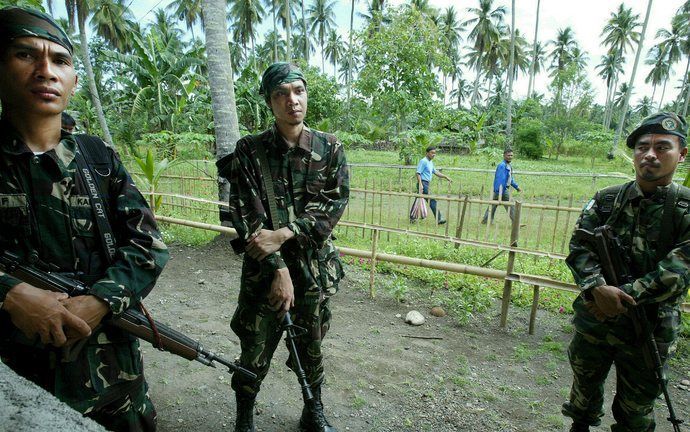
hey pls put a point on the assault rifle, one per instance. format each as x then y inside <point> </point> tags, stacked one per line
<point>616,272</point>
<point>291,333</point>
<point>132,321</point>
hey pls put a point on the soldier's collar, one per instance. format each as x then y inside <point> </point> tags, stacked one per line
<point>12,143</point>
<point>304,142</point>
<point>658,195</point>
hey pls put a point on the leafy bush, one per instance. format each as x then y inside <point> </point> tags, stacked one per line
<point>352,140</point>
<point>187,145</point>
<point>529,138</point>
<point>412,144</point>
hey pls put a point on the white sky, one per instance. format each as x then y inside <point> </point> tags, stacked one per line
<point>586,17</point>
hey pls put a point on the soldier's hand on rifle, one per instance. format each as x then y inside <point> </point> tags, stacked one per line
<point>594,310</point>
<point>265,242</point>
<point>89,308</point>
<point>38,312</point>
<point>282,294</point>
<point>611,300</point>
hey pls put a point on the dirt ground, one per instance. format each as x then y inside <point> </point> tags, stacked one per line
<point>382,374</point>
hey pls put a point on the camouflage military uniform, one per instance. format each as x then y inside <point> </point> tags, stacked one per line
<point>660,287</point>
<point>311,186</point>
<point>46,217</point>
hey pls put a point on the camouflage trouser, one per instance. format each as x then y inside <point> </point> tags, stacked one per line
<point>258,328</point>
<point>105,382</point>
<point>636,384</point>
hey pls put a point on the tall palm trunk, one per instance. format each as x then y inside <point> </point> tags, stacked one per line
<point>349,54</point>
<point>685,103</point>
<point>682,87</point>
<point>533,66</point>
<point>663,93</point>
<point>475,92</point>
<point>288,30</point>
<point>222,91</point>
<point>275,32</point>
<point>306,37</point>
<point>609,117</point>
<point>619,131</point>
<point>653,93</point>
<point>511,66</point>
<point>91,78</point>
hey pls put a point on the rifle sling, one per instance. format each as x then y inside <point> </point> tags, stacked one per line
<point>267,180</point>
<point>97,206</point>
<point>667,226</point>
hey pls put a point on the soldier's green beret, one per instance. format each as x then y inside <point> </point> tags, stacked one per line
<point>16,22</point>
<point>660,123</point>
<point>278,74</point>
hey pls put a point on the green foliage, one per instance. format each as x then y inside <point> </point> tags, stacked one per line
<point>412,144</point>
<point>529,138</point>
<point>399,74</point>
<point>352,140</point>
<point>36,4</point>
<point>151,174</point>
<point>687,179</point>
<point>322,93</point>
<point>172,146</point>
<point>397,287</point>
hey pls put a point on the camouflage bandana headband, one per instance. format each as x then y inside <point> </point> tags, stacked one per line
<point>278,74</point>
<point>16,22</point>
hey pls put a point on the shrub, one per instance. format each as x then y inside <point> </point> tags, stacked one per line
<point>529,138</point>
<point>352,140</point>
<point>169,145</point>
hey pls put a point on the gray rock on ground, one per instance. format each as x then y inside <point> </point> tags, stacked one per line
<point>25,407</point>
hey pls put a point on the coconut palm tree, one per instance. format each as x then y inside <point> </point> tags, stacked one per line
<point>188,11</point>
<point>322,20</point>
<point>461,92</point>
<point>225,122</point>
<point>334,50</point>
<point>485,31</point>
<point>537,65</point>
<point>247,15</point>
<point>301,42</point>
<point>661,69</point>
<point>348,79</point>
<point>672,43</point>
<point>114,22</point>
<point>450,29</point>
<point>644,107</point>
<point>624,111</point>
<point>533,64</point>
<point>608,68</point>
<point>79,11</point>
<point>620,32</point>
<point>562,54</point>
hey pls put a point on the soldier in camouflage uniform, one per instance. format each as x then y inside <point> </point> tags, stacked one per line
<point>47,219</point>
<point>604,332</point>
<point>292,267</point>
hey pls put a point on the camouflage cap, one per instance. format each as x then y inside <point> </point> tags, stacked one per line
<point>660,123</point>
<point>16,22</point>
<point>278,74</point>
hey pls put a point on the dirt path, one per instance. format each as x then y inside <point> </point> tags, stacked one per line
<point>476,378</point>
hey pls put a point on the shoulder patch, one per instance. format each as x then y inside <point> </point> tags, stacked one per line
<point>590,204</point>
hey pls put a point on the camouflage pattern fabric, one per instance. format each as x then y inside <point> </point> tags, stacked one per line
<point>311,184</point>
<point>258,328</point>
<point>46,218</point>
<point>16,22</point>
<point>660,287</point>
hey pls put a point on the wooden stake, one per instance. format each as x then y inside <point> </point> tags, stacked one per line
<point>535,305</point>
<point>508,284</point>
<point>372,272</point>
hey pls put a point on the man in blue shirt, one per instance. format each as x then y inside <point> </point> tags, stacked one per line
<point>425,169</point>
<point>503,180</point>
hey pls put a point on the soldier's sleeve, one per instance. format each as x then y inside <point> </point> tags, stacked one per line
<point>582,259</point>
<point>141,253</point>
<point>323,212</point>
<point>246,210</point>
<point>7,282</point>
<point>671,278</point>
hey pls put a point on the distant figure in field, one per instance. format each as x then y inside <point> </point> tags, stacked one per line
<point>68,122</point>
<point>503,180</point>
<point>425,170</point>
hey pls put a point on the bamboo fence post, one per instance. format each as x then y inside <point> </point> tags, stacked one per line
<point>372,272</point>
<point>448,210</point>
<point>508,284</point>
<point>555,226</point>
<point>567,223</point>
<point>390,207</point>
<point>380,205</point>
<point>399,175</point>
<point>535,305</point>
<point>364,212</point>
<point>541,223</point>
<point>458,232</point>
<point>479,222</point>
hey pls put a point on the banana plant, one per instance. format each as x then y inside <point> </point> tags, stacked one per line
<point>152,171</point>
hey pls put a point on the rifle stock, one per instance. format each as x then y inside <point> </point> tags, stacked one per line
<point>616,272</point>
<point>131,321</point>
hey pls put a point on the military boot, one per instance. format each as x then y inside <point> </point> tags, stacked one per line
<point>579,427</point>
<point>244,422</point>
<point>313,419</point>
